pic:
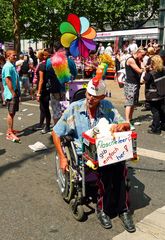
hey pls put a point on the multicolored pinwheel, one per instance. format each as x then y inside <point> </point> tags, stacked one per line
<point>77,35</point>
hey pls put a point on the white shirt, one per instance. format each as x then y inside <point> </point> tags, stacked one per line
<point>19,62</point>
<point>109,50</point>
<point>101,50</point>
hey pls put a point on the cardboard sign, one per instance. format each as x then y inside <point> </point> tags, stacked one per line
<point>111,151</point>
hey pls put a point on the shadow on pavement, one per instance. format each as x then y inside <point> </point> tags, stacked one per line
<point>138,198</point>
<point>25,98</point>
<point>17,164</point>
<point>28,131</point>
<point>2,151</point>
<point>141,118</point>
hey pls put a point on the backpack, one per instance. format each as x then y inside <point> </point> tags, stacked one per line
<point>24,68</point>
<point>53,82</point>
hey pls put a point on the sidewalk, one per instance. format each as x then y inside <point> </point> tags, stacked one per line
<point>150,228</point>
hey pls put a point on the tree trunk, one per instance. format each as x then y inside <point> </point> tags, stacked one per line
<point>16,24</point>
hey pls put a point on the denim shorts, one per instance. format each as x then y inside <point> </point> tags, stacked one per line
<point>55,99</point>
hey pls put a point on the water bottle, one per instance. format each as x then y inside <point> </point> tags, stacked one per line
<point>134,146</point>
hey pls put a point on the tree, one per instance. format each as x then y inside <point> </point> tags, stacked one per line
<point>16,24</point>
<point>6,29</point>
<point>40,19</point>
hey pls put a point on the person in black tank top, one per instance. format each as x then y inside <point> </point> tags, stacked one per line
<point>132,85</point>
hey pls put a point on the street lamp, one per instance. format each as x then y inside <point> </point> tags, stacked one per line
<point>162,24</point>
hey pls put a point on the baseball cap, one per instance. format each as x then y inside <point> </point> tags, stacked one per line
<point>96,89</point>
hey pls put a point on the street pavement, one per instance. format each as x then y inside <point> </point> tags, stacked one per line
<point>31,206</point>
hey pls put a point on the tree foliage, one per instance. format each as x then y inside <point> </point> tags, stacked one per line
<point>40,19</point>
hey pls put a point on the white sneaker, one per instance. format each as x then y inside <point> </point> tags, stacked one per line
<point>132,127</point>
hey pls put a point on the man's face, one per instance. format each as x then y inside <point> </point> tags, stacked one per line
<point>141,55</point>
<point>93,101</point>
<point>13,57</point>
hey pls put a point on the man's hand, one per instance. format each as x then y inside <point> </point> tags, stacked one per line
<point>63,160</point>
<point>64,164</point>
<point>38,95</point>
<point>38,98</point>
<point>120,127</point>
<point>14,94</point>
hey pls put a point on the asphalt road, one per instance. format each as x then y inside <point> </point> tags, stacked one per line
<point>31,207</point>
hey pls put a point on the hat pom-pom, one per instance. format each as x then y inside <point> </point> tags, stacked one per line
<point>95,81</point>
<point>99,73</point>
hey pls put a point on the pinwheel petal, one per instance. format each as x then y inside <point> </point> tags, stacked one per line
<point>74,50</point>
<point>75,21</point>
<point>84,24</point>
<point>90,44</point>
<point>66,27</point>
<point>89,34</point>
<point>67,38</point>
<point>84,52</point>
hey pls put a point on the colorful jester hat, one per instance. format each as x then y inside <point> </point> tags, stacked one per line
<point>77,35</point>
<point>60,65</point>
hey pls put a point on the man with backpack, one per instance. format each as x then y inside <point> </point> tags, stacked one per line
<point>57,88</point>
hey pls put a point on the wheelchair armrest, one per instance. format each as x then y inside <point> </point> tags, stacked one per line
<point>68,138</point>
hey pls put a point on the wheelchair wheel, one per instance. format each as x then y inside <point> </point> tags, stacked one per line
<point>65,181</point>
<point>77,210</point>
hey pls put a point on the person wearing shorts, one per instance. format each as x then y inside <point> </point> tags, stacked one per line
<point>131,93</point>
<point>57,89</point>
<point>132,84</point>
<point>55,99</point>
<point>10,80</point>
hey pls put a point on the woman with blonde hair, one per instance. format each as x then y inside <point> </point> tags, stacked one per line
<point>155,94</point>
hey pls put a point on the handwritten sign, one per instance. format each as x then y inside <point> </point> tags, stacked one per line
<point>111,151</point>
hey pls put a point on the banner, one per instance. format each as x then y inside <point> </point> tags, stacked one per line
<point>113,150</point>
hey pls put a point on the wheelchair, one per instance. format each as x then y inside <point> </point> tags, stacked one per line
<point>74,184</point>
<point>81,178</point>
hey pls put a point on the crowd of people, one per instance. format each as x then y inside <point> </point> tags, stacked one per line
<point>145,65</point>
<point>28,75</point>
<point>133,59</point>
<point>141,65</point>
<point>136,61</point>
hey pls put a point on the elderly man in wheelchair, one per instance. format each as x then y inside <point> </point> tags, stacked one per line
<point>71,167</point>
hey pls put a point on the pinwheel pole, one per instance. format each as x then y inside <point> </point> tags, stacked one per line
<point>83,67</point>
